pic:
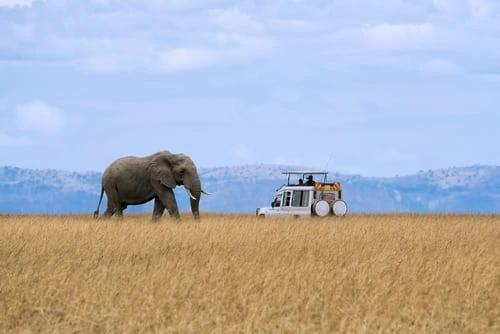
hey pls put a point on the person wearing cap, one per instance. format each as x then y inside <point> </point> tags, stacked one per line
<point>310,181</point>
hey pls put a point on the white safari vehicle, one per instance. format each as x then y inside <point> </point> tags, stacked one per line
<point>308,195</point>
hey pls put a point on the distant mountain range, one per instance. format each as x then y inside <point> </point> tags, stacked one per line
<point>241,189</point>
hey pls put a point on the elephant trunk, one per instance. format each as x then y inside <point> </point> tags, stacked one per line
<point>194,190</point>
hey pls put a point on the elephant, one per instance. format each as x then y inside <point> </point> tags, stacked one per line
<point>135,180</point>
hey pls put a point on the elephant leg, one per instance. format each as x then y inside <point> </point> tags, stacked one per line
<point>119,214</point>
<point>158,209</point>
<point>110,210</point>
<point>119,211</point>
<point>167,198</point>
<point>114,206</point>
<point>108,213</point>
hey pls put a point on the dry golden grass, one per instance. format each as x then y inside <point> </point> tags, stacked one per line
<point>237,273</point>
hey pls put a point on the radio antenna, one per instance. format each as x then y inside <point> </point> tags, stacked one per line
<point>328,161</point>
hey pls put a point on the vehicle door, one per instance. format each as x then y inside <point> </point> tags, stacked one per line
<point>300,205</point>
<point>276,205</point>
<point>286,205</point>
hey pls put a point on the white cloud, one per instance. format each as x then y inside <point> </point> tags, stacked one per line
<point>396,36</point>
<point>14,3</point>
<point>160,4</point>
<point>451,9</point>
<point>296,26</point>
<point>104,2</point>
<point>234,19</point>
<point>189,112</point>
<point>151,35</point>
<point>441,66</point>
<point>23,31</point>
<point>145,53</point>
<point>9,141</point>
<point>484,9</point>
<point>107,63</point>
<point>40,116</point>
<point>488,77</point>
<point>184,59</point>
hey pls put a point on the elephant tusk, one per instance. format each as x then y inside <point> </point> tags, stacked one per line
<point>205,192</point>
<point>190,195</point>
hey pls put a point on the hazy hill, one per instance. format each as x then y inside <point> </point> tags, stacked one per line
<point>244,188</point>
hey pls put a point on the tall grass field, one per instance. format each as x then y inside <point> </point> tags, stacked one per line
<point>240,274</point>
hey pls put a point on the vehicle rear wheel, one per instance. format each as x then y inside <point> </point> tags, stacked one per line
<point>339,208</point>
<point>321,208</point>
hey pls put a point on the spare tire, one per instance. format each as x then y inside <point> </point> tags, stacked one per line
<point>321,208</point>
<point>339,208</point>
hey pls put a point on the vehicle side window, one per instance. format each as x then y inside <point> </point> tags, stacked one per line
<point>286,200</point>
<point>300,198</point>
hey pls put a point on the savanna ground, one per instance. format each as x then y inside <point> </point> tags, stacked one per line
<point>237,273</point>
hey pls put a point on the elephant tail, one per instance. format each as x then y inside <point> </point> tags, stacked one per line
<point>96,212</point>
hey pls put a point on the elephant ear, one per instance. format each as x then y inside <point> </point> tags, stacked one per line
<point>160,171</point>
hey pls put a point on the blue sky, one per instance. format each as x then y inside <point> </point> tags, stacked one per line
<point>377,88</point>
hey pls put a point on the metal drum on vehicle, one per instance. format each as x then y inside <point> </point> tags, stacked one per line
<point>339,208</point>
<point>321,208</point>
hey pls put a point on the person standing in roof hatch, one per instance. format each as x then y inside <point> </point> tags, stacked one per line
<point>310,181</point>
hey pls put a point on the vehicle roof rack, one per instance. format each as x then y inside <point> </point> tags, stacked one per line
<point>304,173</point>
<point>301,172</point>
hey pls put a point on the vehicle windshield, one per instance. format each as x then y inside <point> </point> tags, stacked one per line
<point>277,200</point>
